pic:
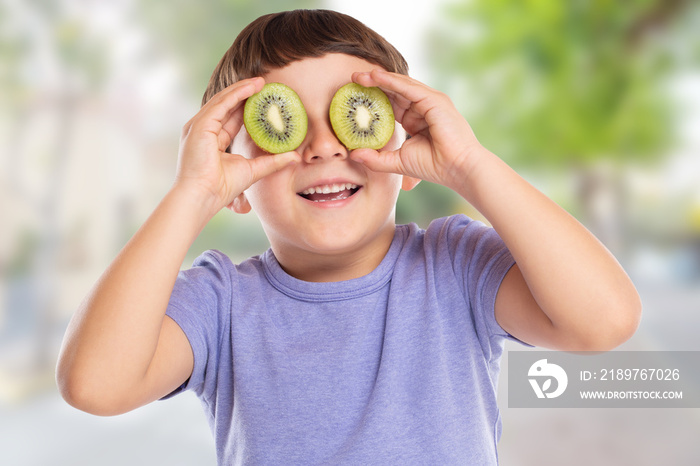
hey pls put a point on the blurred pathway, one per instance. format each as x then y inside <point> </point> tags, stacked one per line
<point>46,431</point>
<point>615,437</point>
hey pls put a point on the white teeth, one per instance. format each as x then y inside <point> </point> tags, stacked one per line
<point>329,188</point>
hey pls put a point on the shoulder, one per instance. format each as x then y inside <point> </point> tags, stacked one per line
<point>212,277</point>
<point>456,244</point>
<point>438,228</point>
<point>211,259</point>
<point>455,235</point>
<point>216,265</point>
<point>459,227</point>
<point>473,253</point>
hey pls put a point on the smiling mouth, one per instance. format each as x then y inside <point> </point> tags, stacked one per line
<point>330,192</point>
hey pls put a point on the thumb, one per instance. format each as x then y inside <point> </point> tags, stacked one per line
<point>268,164</point>
<point>385,161</point>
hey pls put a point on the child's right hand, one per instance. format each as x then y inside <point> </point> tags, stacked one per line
<point>205,169</point>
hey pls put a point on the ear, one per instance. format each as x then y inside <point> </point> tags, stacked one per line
<point>408,183</point>
<point>240,204</point>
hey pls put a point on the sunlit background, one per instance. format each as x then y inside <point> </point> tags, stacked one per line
<point>597,103</point>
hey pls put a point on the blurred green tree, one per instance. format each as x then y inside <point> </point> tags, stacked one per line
<point>568,85</point>
<point>198,32</point>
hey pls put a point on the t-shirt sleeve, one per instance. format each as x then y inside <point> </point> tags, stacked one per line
<point>199,304</point>
<point>480,260</point>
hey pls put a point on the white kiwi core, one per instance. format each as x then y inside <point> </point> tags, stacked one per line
<point>363,118</point>
<point>274,116</point>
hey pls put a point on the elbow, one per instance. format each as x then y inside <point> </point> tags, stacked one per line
<point>81,397</point>
<point>625,316</point>
<point>79,392</point>
<point>75,392</point>
<point>616,325</point>
<point>72,393</point>
<point>610,338</point>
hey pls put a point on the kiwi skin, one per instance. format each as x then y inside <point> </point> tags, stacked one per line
<point>275,118</point>
<point>362,117</point>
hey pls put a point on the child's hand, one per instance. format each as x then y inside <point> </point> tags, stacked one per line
<point>204,166</point>
<point>442,147</point>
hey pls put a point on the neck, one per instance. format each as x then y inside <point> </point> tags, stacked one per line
<point>335,266</point>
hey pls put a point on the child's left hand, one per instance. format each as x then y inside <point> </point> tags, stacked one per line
<point>442,148</point>
<point>565,291</point>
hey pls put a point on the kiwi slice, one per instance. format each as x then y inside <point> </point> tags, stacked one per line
<point>362,117</point>
<point>275,118</point>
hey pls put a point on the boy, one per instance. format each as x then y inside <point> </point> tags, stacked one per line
<point>351,340</point>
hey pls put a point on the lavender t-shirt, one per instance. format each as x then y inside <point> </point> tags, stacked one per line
<point>396,367</point>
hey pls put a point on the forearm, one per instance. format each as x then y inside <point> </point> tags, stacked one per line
<point>112,338</point>
<point>573,278</point>
<point>567,289</point>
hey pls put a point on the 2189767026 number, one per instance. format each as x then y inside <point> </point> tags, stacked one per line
<point>640,374</point>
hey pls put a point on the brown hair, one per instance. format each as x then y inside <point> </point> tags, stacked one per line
<point>275,40</point>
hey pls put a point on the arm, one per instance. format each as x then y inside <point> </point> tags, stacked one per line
<point>566,290</point>
<point>120,350</point>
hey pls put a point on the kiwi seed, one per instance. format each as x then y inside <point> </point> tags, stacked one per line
<point>275,118</point>
<point>362,117</point>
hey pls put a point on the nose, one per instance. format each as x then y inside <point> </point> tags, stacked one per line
<point>322,144</point>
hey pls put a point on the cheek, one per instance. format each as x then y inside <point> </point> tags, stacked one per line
<point>271,193</point>
<point>387,186</point>
<point>259,195</point>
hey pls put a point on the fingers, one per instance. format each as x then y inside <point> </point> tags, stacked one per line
<point>414,102</point>
<point>227,99</point>
<point>405,90</point>
<point>221,115</point>
<point>384,161</point>
<point>269,164</point>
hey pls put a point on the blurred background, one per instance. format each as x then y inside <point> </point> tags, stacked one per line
<point>597,103</point>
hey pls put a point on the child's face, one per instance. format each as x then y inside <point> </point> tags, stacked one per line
<point>355,228</point>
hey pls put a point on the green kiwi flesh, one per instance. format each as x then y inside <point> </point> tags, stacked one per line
<point>362,117</point>
<point>275,118</point>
